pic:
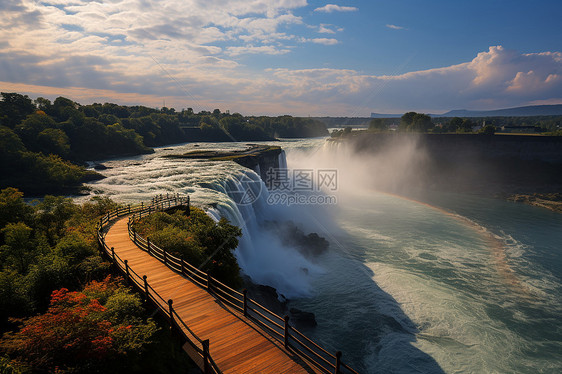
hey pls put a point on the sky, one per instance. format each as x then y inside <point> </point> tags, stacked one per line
<point>273,57</point>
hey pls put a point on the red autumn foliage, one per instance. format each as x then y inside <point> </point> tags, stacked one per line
<point>71,333</point>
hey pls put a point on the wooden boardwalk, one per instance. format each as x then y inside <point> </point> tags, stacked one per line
<point>237,345</point>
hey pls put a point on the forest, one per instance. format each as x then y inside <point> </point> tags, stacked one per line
<point>44,144</point>
<point>63,309</point>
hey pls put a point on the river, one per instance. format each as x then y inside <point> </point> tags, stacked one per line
<point>430,283</point>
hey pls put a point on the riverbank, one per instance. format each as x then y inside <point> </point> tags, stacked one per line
<point>550,201</point>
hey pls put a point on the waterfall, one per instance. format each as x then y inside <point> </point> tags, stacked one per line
<point>282,160</point>
<point>260,253</point>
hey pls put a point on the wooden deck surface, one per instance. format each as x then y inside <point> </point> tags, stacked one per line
<point>235,343</point>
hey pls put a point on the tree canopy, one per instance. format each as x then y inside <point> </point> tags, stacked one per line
<point>43,144</point>
<point>194,235</point>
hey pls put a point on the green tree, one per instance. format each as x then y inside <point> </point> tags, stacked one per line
<point>31,127</point>
<point>13,208</point>
<point>18,252</point>
<point>420,123</point>
<point>43,104</point>
<point>14,299</point>
<point>52,214</point>
<point>466,126</point>
<point>14,108</point>
<point>378,124</point>
<point>406,120</point>
<point>455,124</point>
<point>53,141</point>
<point>11,148</point>
<point>488,130</point>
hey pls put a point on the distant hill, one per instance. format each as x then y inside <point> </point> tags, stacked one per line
<point>524,111</point>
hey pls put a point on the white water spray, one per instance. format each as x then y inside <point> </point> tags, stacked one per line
<point>260,253</point>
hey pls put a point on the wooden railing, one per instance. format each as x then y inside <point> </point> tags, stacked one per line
<point>278,327</point>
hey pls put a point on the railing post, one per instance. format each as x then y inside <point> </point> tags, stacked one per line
<point>164,256</point>
<point>206,366</point>
<point>208,282</point>
<point>245,294</point>
<point>113,254</point>
<point>182,265</point>
<point>338,362</point>
<point>286,337</point>
<point>145,288</point>
<point>148,245</point>
<point>171,310</point>
<point>107,216</point>
<point>142,206</point>
<point>127,271</point>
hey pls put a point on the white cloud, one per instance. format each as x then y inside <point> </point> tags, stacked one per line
<point>263,49</point>
<point>325,28</point>
<point>471,85</point>
<point>329,8</point>
<point>324,41</point>
<point>187,50</point>
<point>394,27</point>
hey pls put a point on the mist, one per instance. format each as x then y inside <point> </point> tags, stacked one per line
<point>396,166</point>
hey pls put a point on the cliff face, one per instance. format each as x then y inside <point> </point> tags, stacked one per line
<point>467,147</point>
<point>262,160</point>
<point>508,147</point>
<point>477,163</point>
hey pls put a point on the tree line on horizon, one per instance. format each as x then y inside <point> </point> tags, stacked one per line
<point>44,144</point>
<point>423,123</point>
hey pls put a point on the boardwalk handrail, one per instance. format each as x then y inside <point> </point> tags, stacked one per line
<point>276,326</point>
<point>199,348</point>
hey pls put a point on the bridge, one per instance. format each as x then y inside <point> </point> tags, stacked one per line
<point>222,330</point>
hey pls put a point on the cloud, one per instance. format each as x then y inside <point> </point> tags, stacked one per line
<point>525,79</point>
<point>394,27</point>
<point>190,52</point>
<point>329,8</point>
<point>264,49</point>
<point>325,28</point>
<point>324,41</point>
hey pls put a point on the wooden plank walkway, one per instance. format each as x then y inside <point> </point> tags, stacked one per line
<point>236,344</point>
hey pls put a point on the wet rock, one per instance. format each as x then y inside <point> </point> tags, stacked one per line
<point>302,319</point>
<point>101,167</point>
<point>266,296</point>
<point>310,245</point>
